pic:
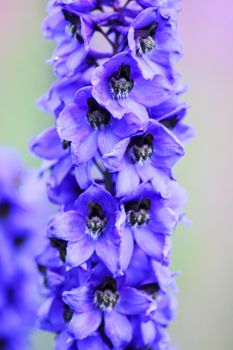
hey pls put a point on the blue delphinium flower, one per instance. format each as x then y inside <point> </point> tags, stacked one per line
<point>118,131</point>
<point>22,217</point>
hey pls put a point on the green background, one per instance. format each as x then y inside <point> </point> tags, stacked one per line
<point>202,252</point>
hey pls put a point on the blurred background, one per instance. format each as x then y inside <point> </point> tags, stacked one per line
<point>203,252</point>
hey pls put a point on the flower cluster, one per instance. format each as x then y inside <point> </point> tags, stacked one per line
<point>21,226</point>
<point>118,132</point>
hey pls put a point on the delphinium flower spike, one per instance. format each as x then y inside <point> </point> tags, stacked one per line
<point>118,130</point>
<point>22,223</point>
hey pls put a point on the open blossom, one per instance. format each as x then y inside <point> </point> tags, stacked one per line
<point>118,130</point>
<point>22,216</point>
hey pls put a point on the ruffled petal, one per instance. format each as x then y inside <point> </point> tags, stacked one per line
<point>79,299</point>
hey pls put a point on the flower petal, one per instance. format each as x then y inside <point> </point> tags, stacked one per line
<point>79,252</point>
<point>151,92</point>
<point>133,301</point>
<point>92,343</point>
<point>127,181</point>
<point>151,243</point>
<point>84,324</point>
<point>47,145</point>
<point>118,329</point>
<point>79,299</point>
<point>148,331</point>
<point>126,248</point>
<point>109,254</point>
<point>84,150</point>
<point>68,226</point>
<point>107,140</point>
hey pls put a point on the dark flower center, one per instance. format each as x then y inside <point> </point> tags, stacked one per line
<point>151,289</point>
<point>138,212</point>
<point>4,210</point>
<point>170,123</point>
<point>145,39</point>
<point>96,221</point>
<point>42,270</point>
<point>67,314</point>
<point>66,144</point>
<point>61,245</point>
<point>120,82</point>
<point>97,115</point>
<point>106,296</point>
<point>3,343</point>
<point>74,26</point>
<point>140,148</point>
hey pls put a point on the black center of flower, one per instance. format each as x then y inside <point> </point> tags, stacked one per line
<point>106,296</point>
<point>170,122</point>
<point>96,221</point>
<point>74,26</point>
<point>67,313</point>
<point>138,212</point>
<point>145,39</point>
<point>151,289</point>
<point>4,209</point>
<point>97,116</point>
<point>140,148</point>
<point>66,144</point>
<point>61,245</point>
<point>120,82</point>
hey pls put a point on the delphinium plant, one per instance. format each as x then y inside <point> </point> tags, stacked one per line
<point>118,130</point>
<point>22,216</point>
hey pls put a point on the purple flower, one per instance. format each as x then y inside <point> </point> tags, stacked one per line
<point>150,155</point>
<point>22,214</point>
<point>90,127</point>
<point>118,86</point>
<point>119,130</point>
<point>147,219</point>
<point>153,42</point>
<point>104,297</point>
<point>89,228</point>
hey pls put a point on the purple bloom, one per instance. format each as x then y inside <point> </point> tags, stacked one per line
<point>153,42</point>
<point>107,298</point>
<point>148,220</point>
<point>89,228</point>
<point>90,127</point>
<point>118,86</point>
<point>150,155</point>
<point>119,130</point>
<point>22,215</point>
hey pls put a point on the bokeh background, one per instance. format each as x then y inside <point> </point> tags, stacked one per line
<point>202,252</point>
